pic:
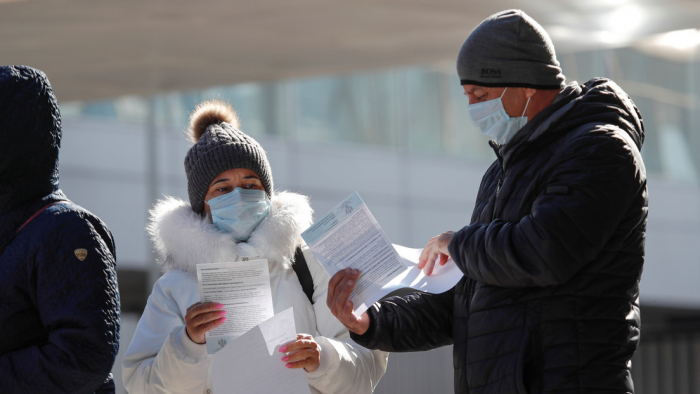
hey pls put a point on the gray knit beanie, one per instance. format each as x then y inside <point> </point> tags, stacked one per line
<point>509,49</point>
<point>220,146</point>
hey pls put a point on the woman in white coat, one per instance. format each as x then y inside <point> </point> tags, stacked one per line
<point>234,214</point>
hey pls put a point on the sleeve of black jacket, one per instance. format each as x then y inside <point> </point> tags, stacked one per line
<point>414,322</point>
<point>79,306</point>
<point>575,214</point>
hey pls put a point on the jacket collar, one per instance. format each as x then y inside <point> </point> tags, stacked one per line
<point>182,238</point>
<point>598,101</point>
<point>541,123</point>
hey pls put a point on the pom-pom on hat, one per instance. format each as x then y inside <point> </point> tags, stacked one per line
<point>220,146</point>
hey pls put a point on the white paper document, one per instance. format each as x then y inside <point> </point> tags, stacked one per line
<point>350,237</point>
<point>243,287</point>
<point>443,278</point>
<point>252,364</point>
<point>279,330</point>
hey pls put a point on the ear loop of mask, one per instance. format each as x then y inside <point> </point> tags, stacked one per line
<point>526,104</point>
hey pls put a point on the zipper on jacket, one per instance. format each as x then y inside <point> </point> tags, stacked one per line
<point>498,190</point>
<point>497,148</point>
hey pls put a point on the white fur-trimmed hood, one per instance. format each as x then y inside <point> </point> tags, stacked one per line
<point>182,238</point>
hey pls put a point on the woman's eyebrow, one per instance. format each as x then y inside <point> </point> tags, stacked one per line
<point>218,181</point>
<point>251,177</point>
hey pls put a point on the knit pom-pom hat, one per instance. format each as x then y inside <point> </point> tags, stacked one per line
<point>220,146</point>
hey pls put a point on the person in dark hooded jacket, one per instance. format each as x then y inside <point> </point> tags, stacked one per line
<point>59,303</point>
<point>553,255</point>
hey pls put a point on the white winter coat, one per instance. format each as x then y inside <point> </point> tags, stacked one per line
<point>162,358</point>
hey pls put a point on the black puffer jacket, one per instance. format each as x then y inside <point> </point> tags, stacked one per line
<point>552,259</point>
<point>59,308</point>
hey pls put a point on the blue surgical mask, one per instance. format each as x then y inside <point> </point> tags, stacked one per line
<point>239,212</point>
<point>493,121</point>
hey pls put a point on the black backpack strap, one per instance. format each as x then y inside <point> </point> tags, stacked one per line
<point>303,273</point>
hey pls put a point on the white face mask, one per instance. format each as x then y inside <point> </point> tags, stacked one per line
<point>239,212</point>
<point>493,121</point>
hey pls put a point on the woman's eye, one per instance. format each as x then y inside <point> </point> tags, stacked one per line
<point>250,186</point>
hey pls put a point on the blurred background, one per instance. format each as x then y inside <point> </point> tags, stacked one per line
<point>360,96</point>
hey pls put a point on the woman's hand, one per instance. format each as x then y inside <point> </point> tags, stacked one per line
<point>302,353</point>
<point>201,318</point>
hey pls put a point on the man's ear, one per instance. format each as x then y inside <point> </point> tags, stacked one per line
<point>529,92</point>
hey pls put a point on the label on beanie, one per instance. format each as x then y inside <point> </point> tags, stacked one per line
<point>490,73</point>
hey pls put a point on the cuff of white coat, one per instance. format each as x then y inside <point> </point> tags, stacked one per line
<point>329,359</point>
<point>185,348</point>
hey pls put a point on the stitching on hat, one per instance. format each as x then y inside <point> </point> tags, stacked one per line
<point>507,84</point>
<point>217,146</point>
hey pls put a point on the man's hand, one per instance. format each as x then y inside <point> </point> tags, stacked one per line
<point>339,289</point>
<point>436,247</point>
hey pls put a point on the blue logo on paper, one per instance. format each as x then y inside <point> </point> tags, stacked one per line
<point>348,207</point>
<point>337,215</point>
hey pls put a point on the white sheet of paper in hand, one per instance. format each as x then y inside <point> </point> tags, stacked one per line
<point>350,237</point>
<point>442,279</point>
<point>243,287</point>
<point>279,330</point>
<point>248,366</point>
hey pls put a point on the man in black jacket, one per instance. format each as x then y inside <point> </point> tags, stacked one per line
<point>553,256</point>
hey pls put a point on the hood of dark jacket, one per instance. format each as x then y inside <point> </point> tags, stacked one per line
<point>599,100</point>
<point>30,139</point>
